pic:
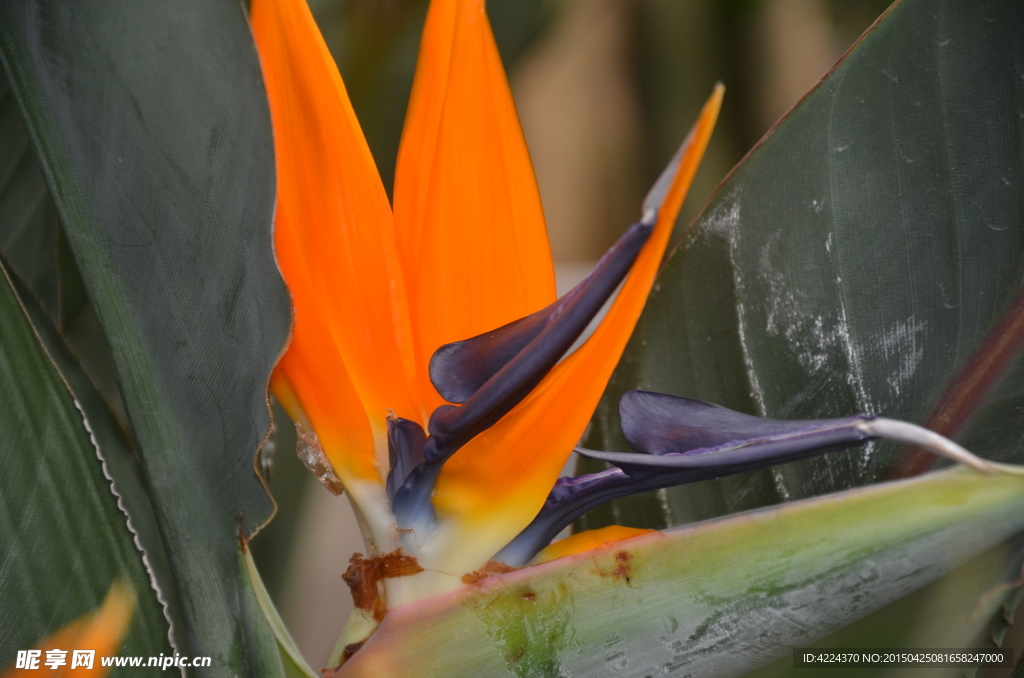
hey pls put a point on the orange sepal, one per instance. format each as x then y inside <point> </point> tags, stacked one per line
<point>419,134</point>
<point>586,540</point>
<point>102,630</point>
<point>331,408</point>
<point>532,442</point>
<point>469,218</point>
<point>334,243</point>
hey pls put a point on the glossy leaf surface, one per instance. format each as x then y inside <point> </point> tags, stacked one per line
<point>714,599</point>
<point>63,538</point>
<point>855,261</point>
<point>164,186</point>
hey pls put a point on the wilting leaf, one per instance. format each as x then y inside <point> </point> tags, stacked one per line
<point>151,127</point>
<point>715,599</point>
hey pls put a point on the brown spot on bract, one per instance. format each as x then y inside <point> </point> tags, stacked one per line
<point>622,570</point>
<point>364,574</point>
<point>492,568</point>
<point>529,596</point>
<point>350,650</point>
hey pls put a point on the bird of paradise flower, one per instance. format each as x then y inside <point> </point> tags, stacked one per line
<point>429,350</point>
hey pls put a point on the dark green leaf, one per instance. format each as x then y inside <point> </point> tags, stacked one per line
<point>152,129</point>
<point>292,663</point>
<point>63,540</point>
<point>37,252</point>
<point>30,235</point>
<point>120,463</point>
<point>856,260</point>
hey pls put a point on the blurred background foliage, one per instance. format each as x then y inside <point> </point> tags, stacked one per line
<point>606,90</point>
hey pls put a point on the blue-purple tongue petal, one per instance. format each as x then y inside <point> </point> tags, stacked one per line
<point>405,451</point>
<point>491,373</point>
<point>682,440</point>
<point>572,497</point>
<point>679,440</point>
<point>531,346</point>
<point>461,368</point>
<point>660,424</point>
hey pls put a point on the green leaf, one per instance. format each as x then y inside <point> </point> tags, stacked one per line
<point>294,665</point>
<point>954,611</point>
<point>63,539</point>
<point>858,260</point>
<point>152,130</point>
<point>37,252</point>
<point>120,463</point>
<point>30,233</point>
<point>715,599</point>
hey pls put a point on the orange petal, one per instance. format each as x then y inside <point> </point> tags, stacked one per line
<point>497,483</point>
<point>64,638</point>
<point>585,541</point>
<point>331,408</point>
<point>334,243</point>
<point>102,630</point>
<point>107,629</point>
<point>468,215</point>
<point>419,135</point>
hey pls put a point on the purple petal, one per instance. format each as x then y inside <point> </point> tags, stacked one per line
<point>680,441</point>
<point>659,424</point>
<point>524,351</point>
<point>491,373</point>
<point>568,500</point>
<point>460,369</point>
<point>405,451</point>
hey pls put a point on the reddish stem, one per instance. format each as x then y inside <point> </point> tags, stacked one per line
<point>970,387</point>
